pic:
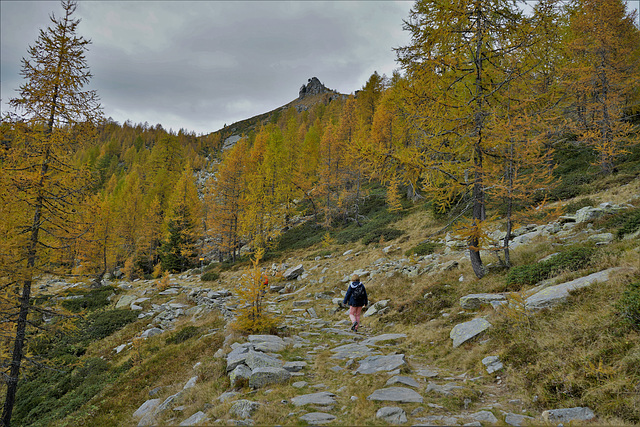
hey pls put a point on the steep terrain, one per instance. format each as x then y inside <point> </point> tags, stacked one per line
<point>437,346</point>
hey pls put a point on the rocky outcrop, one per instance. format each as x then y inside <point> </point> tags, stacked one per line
<point>313,87</point>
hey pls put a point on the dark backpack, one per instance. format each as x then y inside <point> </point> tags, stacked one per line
<point>358,293</point>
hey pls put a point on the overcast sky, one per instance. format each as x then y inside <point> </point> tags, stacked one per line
<point>199,65</point>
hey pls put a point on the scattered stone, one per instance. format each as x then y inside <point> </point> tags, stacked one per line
<point>492,364</point>
<point>377,308</point>
<point>125,301</point>
<point>426,372</point>
<point>295,366</point>
<point>392,415</point>
<point>555,295</point>
<point>398,379</point>
<point>191,383</point>
<point>475,301</point>
<point>566,415</point>
<point>293,272</point>
<point>257,359</point>
<point>484,417</point>
<point>323,398</point>
<point>465,331</point>
<point>267,343</point>
<point>299,384</point>
<point>382,338</point>
<point>446,389</point>
<point>244,408</point>
<point>194,419</point>
<point>351,351</point>
<point>151,333</point>
<point>261,377</point>
<point>239,374</point>
<point>373,364</point>
<point>227,395</point>
<point>518,420</point>
<point>396,394</point>
<point>317,418</point>
<point>147,407</point>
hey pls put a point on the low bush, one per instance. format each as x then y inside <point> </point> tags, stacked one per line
<point>629,305</point>
<point>103,324</point>
<point>424,248</point>
<point>91,300</point>
<point>183,335</point>
<point>570,260</point>
<point>382,234</point>
<point>574,206</point>
<point>210,276</point>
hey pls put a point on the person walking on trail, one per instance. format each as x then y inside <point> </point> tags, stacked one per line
<point>356,297</point>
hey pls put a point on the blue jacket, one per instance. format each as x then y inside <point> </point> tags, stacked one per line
<point>350,299</point>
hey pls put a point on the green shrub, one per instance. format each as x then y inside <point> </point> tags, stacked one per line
<point>92,300</point>
<point>424,248</point>
<point>183,335</point>
<point>210,276</point>
<point>530,274</point>
<point>629,222</point>
<point>385,234</point>
<point>426,305</point>
<point>103,324</point>
<point>629,305</point>
<point>579,204</point>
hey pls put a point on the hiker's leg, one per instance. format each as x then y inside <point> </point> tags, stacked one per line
<point>352,313</point>
<point>357,313</point>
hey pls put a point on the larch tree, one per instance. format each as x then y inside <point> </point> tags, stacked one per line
<point>457,83</point>
<point>603,74</point>
<point>41,185</point>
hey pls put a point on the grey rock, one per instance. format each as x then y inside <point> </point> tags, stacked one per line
<point>392,415</point>
<point>566,415</point>
<point>555,295</point>
<point>440,419</point>
<point>518,420</point>
<point>191,383</point>
<point>426,372</point>
<point>267,343</point>
<point>317,418</point>
<point>147,407</point>
<point>299,384</point>
<point>602,238</point>
<point>261,377</point>
<point>151,332</point>
<point>227,395</point>
<point>465,331</point>
<point>257,359</point>
<point>236,357</point>
<point>351,351</point>
<point>125,301</point>
<point>377,308</point>
<point>492,364</point>
<point>244,408</point>
<point>293,272</point>
<point>373,364</point>
<point>475,301</point>
<point>194,419</point>
<point>484,417</point>
<point>399,379</point>
<point>382,338</point>
<point>396,394</point>
<point>446,389</point>
<point>295,366</point>
<point>323,398</point>
<point>239,374</point>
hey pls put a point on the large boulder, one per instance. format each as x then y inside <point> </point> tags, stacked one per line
<point>475,301</point>
<point>465,331</point>
<point>261,377</point>
<point>567,415</point>
<point>244,408</point>
<point>293,272</point>
<point>267,343</point>
<point>392,415</point>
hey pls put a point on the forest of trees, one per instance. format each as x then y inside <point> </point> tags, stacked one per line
<point>468,123</point>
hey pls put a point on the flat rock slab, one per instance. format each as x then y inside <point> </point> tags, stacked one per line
<point>392,415</point>
<point>147,407</point>
<point>383,338</point>
<point>518,420</point>
<point>321,398</point>
<point>373,364</point>
<point>566,415</point>
<point>351,351</point>
<point>396,394</point>
<point>446,389</point>
<point>294,366</point>
<point>426,372</point>
<point>465,331</point>
<point>317,418</point>
<point>475,301</point>
<point>555,295</point>
<point>399,379</point>
<point>267,343</point>
<point>194,419</point>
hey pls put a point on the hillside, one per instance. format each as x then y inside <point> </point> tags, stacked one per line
<point>180,361</point>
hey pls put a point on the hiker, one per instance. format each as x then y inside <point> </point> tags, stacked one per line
<point>356,297</point>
